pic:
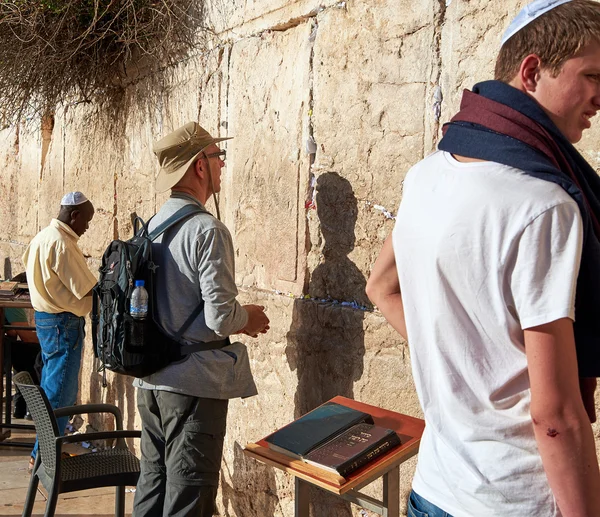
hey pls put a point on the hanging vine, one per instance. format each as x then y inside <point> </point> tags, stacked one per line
<point>56,51</point>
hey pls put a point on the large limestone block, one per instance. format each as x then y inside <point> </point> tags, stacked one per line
<point>9,171</point>
<point>180,102</point>
<point>214,115</point>
<point>51,184</point>
<point>267,106</point>
<point>588,146</point>
<point>93,153</point>
<point>199,92</point>
<point>22,222</point>
<point>134,180</point>
<point>25,198</point>
<point>372,64</point>
<point>194,92</point>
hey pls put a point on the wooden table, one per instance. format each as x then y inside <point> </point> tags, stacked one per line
<point>387,466</point>
<point>17,302</point>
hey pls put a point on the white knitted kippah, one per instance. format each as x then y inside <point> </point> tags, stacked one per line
<point>529,13</point>
<point>73,199</point>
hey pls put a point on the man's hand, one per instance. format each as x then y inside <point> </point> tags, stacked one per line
<point>258,323</point>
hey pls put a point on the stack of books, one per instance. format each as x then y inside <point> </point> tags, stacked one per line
<point>335,438</point>
<point>8,290</point>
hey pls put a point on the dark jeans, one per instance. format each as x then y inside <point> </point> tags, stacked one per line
<point>182,447</point>
<point>421,507</point>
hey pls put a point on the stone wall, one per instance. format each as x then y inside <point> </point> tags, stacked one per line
<point>329,103</point>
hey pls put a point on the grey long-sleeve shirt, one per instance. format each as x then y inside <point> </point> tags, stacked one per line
<point>196,262</point>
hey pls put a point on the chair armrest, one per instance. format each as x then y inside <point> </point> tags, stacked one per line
<point>91,408</point>
<point>102,435</point>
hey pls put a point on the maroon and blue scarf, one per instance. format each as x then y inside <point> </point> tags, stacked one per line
<point>499,123</point>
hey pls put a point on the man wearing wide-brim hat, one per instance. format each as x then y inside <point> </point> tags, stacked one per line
<point>183,407</point>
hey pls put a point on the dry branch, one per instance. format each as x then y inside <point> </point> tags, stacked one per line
<point>53,51</point>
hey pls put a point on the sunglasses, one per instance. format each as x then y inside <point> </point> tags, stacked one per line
<point>221,154</point>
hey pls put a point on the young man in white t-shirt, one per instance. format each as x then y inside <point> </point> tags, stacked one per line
<point>480,276</point>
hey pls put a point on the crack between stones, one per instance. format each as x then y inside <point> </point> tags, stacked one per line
<point>64,148</point>
<point>312,156</point>
<point>228,84</point>
<point>292,22</point>
<point>14,242</point>
<point>304,298</point>
<point>47,129</point>
<point>438,23</point>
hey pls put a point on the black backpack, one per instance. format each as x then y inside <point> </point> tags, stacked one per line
<point>132,346</point>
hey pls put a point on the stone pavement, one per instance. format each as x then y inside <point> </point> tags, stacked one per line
<point>14,480</point>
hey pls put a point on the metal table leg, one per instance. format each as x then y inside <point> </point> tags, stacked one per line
<point>301,502</point>
<point>391,493</point>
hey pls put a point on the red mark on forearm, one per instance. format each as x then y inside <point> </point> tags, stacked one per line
<point>551,432</point>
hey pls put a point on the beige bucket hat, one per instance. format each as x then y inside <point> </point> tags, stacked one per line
<point>178,150</point>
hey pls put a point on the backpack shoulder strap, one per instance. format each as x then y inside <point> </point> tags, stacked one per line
<point>94,317</point>
<point>181,214</point>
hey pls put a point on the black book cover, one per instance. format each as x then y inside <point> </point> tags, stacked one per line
<point>354,448</point>
<point>315,428</point>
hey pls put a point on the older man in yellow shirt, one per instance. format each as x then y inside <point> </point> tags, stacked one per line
<point>60,284</point>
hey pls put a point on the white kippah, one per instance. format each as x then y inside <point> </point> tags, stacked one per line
<point>529,13</point>
<point>73,199</point>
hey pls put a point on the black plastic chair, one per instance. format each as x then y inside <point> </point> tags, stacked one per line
<point>112,467</point>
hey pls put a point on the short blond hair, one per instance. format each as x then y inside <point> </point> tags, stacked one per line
<point>555,37</point>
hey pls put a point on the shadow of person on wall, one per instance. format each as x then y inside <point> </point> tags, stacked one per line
<point>325,344</point>
<point>253,490</point>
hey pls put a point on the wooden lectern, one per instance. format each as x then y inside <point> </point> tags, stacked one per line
<point>387,465</point>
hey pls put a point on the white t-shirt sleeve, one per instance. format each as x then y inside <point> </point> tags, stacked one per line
<point>544,277</point>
